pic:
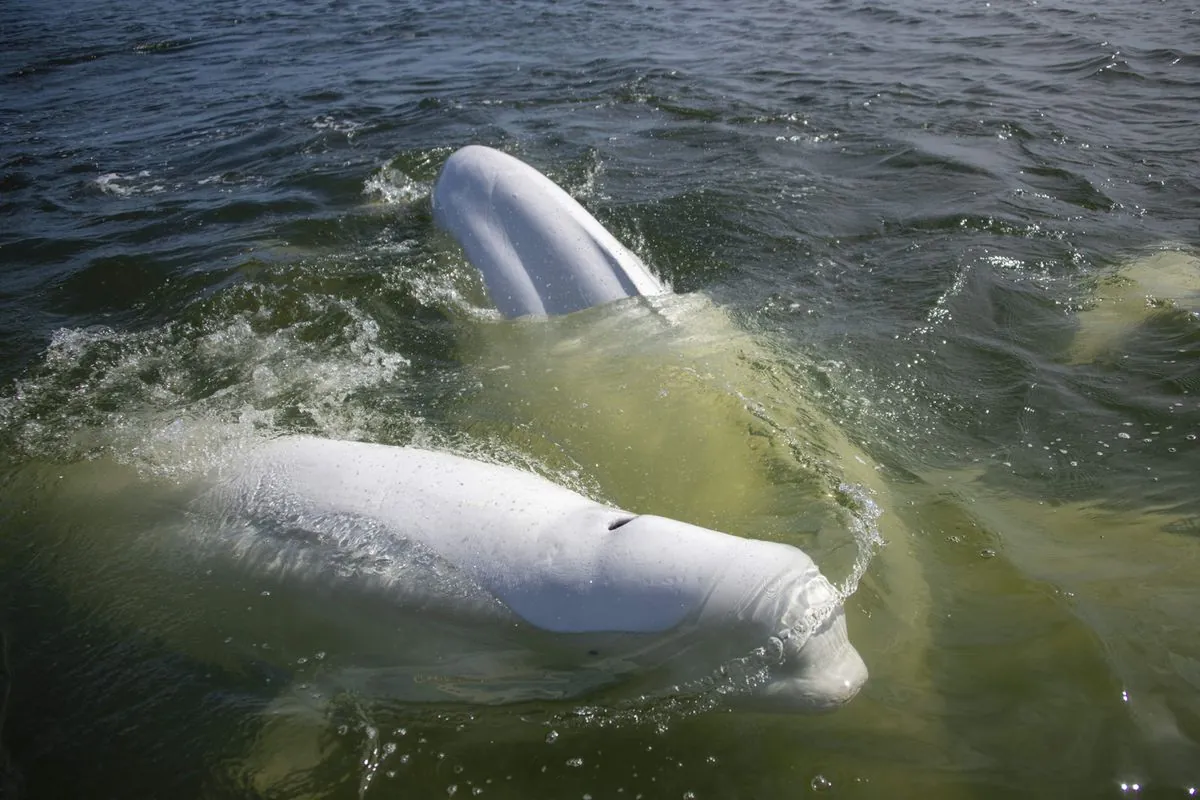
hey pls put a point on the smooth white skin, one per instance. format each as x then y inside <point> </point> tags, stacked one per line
<point>560,562</point>
<point>539,251</point>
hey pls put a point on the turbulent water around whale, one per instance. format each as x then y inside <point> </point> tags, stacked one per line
<point>954,251</point>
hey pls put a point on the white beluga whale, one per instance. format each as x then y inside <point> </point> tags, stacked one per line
<point>478,544</point>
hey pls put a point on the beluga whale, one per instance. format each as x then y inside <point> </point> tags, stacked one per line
<point>507,559</point>
<point>539,251</point>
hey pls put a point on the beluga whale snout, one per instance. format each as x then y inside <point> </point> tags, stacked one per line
<point>820,671</point>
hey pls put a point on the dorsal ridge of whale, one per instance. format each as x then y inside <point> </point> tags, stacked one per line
<point>611,580</point>
<point>539,251</point>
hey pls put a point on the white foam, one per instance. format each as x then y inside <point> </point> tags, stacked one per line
<point>118,185</point>
<point>165,398</point>
<point>348,127</point>
<point>392,187</point>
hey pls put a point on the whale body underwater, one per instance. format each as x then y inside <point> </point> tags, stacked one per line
<point>478,547</point>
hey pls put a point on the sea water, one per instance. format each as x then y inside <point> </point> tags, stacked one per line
<point>962,236</point>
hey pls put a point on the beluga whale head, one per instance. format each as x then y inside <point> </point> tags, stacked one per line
<point>699,600</point>
<point>767,600</point>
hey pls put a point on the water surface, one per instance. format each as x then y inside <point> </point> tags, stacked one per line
<point>961,234</point>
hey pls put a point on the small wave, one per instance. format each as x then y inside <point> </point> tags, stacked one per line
<point>128,394</point>
<point>163,46</point>
<point>348,127</point>
<point>392,187</point>
<point>55,62</point>
<point>128,185</point>
<point>232,179</point>
<point>1094,66</point>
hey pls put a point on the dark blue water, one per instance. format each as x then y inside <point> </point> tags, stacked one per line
<point>972,227</point>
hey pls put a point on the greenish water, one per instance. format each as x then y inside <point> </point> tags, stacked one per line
<point>954,245</point>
